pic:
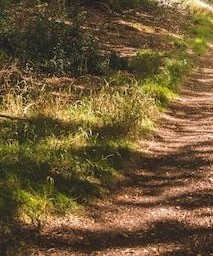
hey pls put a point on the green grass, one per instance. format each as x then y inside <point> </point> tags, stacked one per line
<point>146,62</point>
<point>201,32</point>
<point>176,65</point>
<point>59,153</point>
<point>56,155</point>
<point>52,173</point>
<point>61,149</point>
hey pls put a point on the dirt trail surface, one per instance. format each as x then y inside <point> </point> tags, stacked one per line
<point>165,205</point>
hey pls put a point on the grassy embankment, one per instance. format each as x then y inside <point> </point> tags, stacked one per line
<point>61,145</point>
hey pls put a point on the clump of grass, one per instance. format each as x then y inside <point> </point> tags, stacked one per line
<point>180,45</point>
<point>201,32</point>
<point>199,45</point>
<point>199,7</point>
<point>58,153</point>
<point>146,62</point>
<point>174,71</point>
<point>163,86</point>
<point>114,111</point>
<point>160,92</point>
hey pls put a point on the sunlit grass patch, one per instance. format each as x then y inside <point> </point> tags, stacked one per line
<point>199,6</point>
<point>199,45</point>
<point>114,111</point>
<point>160,92</point>
<point>62,153</point>
<point>201,32</point>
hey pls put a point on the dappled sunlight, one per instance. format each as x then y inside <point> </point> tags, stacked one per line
<point>148,29</point>
<point>206,80</point>
<point>161,236</point>
<point>199,4</point>
<point>165,205</point>
<point>97,154</point>
<point>133,29</point>
<point>207,71</point>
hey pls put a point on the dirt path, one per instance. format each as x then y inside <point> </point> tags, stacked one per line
<point>165,207</point>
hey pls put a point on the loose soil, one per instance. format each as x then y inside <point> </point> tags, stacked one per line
<point>164,207</point>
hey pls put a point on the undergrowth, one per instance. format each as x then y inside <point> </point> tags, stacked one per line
<point>201,29</point>
<point>45,44</point>
<point>55,151</point>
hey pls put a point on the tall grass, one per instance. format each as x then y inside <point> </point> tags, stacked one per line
<point>201,29</point>
<point>56,152</point>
